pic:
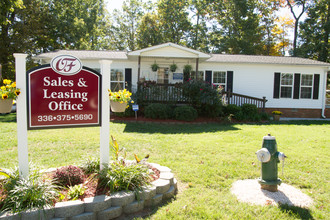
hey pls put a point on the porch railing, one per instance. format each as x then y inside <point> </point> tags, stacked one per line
<point>161,93</point>
<point>173,93</point>
<point>239,99</point>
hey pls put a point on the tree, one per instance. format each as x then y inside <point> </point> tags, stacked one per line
<point>35,26</point>
<point>284,24</point>
<point>238,30</point>
<point>126,24</point>
<point>174,21</point>
<point>199,31</point>
<point>291,4</point>
<point>148,32</point>
<point>8,11</point>
<point>315,32</point>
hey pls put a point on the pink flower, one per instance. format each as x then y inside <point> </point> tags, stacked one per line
<point>201,89</point>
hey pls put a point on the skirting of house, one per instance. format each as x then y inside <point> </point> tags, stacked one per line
<point>299,112</point>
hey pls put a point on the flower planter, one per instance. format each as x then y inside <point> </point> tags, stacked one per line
<point>6,105</point>
<point>276,117</point>
<point>117,106</point>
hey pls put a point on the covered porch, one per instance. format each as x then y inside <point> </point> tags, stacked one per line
<point>171,60</point>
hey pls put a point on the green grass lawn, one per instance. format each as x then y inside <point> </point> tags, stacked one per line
<point>205,159</point>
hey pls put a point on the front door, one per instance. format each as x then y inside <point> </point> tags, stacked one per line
<point>162,75</point>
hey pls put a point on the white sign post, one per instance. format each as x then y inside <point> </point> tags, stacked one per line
<point>21,114</point>
<point>21,104</point>
<point>105,112</point>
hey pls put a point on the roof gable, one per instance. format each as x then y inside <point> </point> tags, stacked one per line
<point>169,50</point>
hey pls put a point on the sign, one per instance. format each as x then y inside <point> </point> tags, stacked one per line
<point>63,94</point>
<point>135,107</point>
<point>177,76</point>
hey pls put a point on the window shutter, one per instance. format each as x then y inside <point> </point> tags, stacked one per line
<point>230,78</point>
<point>277,78</point>
<point>316,86</point>
<point>208,76</point>
<point>296,87</point>
<point>128,79</point>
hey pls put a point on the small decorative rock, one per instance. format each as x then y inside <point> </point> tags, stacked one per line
<point>110,213</point>
<point>134,207</point>
<point>69,209</point>
<point>169,194</point>
<point>147,193</point>
<point>162,186</point>
<point>97,203</point>
<point>154,200</point>
<point>84,216</point>
<point>122,198</point>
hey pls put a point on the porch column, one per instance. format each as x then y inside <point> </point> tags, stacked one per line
<point>139,69</point>
<point>197,61</point>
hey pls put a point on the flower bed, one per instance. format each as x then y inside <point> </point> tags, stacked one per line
<point>108,206</point>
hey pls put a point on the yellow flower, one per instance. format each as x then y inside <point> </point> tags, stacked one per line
<point>132,101</point>
<point>3,88</point>
<point>17,92</point>
<point>121,102</point>
<point>6,81</point>
<point>4,96</point>
<point>13,84</point>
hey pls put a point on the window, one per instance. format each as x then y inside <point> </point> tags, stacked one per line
<point>200,75</point>
<point>219,78</point>
<point>306,86</point>
<point>117,80</point>
<point>286,85</point>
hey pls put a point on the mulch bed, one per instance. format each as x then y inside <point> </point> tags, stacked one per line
<point>142,119</point>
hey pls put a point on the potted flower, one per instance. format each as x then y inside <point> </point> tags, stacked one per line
<point>8,92</point>
<point>119,100</point>
<point>154,67</point>
<point>173,67</point>
<point>276,115</point>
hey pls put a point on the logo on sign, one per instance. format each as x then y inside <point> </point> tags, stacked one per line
<point>66,64</point>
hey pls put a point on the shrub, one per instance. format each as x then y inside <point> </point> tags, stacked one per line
<point>264,116</point>
<point>29,193</point>
<point>232,109</point>
<point>249,110</point>
<point>185,113</point>
<point>158,111</point>
<point>69,176</point>
<point>118,177</point>
<point>203,97</point>
<point>91,165</point>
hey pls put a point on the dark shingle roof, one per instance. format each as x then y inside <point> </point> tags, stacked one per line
<point>216,58</point>
<point>228,58</point>
<point>86,54</point>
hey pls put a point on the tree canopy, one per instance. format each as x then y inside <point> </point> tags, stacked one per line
<point>235,27</point>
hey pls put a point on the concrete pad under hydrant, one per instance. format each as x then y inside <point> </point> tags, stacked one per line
<point>249,191</point>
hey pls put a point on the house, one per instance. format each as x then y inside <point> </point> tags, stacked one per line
<point>295,86</point>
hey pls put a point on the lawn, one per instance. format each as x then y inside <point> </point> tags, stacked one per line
<point>205,159</point>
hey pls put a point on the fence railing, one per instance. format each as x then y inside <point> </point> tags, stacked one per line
<point>161,93</point>
<point>239,99</point>
<point>173,93</point>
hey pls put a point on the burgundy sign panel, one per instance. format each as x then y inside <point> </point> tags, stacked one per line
<point>57,99</point>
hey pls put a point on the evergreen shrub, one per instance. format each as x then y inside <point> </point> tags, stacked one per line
<point>158,111</point>
<point>185,113</point>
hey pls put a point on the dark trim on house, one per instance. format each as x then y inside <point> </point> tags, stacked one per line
<point>296,86</point>
<point>230,79</point>
<point>316,86</point>
<point>277,80</point>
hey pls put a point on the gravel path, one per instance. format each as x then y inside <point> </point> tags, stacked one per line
<point>249,191</point>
